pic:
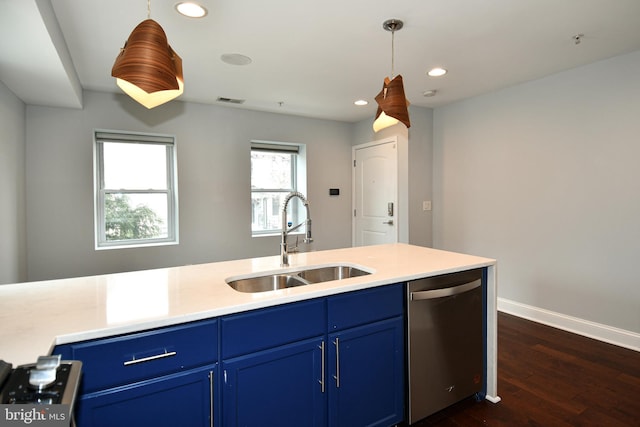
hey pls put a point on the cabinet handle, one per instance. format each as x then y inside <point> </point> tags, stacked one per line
<point>337,375</point>
<point>134,361</point>
<point>211,398</point>
<point>321,347</point>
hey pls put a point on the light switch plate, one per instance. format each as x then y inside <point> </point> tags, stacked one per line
<point>426,205</point>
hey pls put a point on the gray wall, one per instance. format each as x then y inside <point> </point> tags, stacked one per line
<point>420,175</point>
<point>214,173</point>
<point>545,177</point>
<point>213,180</point>
<point>13,266</point>
<point>420,170</point>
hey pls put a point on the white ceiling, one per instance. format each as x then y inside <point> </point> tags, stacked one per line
<point>316,57</point>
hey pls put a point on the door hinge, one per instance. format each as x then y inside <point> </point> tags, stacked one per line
<point>354,212</point>
<point>354,163</point>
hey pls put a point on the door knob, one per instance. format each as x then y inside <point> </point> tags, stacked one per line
<point>390,222</point>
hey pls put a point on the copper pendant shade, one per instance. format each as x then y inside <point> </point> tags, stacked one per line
<point>147,69</point>
<point>392,103</point>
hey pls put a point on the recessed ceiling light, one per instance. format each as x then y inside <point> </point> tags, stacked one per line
<point>429,93</point>
<point>361,102</point>
<point>235,59</point>
<point>191,9</point>
<point>437,72</point>
<point>577,39</point>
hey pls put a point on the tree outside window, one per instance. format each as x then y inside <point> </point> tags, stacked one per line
<point>123,221</point>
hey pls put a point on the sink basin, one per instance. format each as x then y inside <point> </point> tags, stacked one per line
<point>336,272</point>
<point>275,281</point>
<point>271,282</point>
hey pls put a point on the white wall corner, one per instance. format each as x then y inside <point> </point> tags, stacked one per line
<point>609,334</point>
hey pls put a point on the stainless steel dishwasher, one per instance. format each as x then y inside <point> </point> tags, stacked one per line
<point>445,341</point>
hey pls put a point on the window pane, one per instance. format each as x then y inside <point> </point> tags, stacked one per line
<point>136,216</point>
<point>266,208</point>
<point>134,166</point>
<point>271,170</point>
<point>265,211</point>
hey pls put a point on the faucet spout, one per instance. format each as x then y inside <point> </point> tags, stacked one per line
<point>284,255</point>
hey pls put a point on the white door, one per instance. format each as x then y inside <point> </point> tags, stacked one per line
<point>375,193</point>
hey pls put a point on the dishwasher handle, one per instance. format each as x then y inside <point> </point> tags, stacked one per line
<point>445,292</point>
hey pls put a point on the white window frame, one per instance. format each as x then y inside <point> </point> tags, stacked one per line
<point>101,136</point>
<point>298,177</point>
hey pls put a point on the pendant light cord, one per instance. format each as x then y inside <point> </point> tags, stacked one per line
<point>393,32</point>
<point>148,9</point>
<point>393,25</point>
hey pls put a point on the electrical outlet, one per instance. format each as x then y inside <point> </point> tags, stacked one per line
<point>426,205</point>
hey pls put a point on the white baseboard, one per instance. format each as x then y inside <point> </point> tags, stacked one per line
<point>609,334</point>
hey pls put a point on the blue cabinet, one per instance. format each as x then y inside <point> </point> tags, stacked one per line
<point>182,399</point>
<point>276,387</point>
<point>366,358</point>
<point>367,376</point>
<point>336,361</point>
<point>330,361</point>
<point>272,364</point>
<point>143,378</point>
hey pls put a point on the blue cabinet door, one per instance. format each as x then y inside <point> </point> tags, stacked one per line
<point>366,375</point>
<point>182,399</point>
<point>280,387</point>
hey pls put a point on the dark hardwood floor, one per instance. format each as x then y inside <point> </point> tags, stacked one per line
<point>549,377</point>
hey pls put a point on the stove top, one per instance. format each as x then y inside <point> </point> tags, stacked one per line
<point>50,381</point>
<point>19,390</point>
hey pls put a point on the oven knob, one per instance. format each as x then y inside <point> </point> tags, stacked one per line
<point>48,362</point>
<point>41,378</point>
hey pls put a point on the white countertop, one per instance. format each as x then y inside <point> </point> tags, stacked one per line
<point>36,316</point>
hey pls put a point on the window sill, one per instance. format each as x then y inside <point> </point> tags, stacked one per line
<point>136,245</point>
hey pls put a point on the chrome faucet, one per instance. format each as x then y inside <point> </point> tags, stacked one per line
<point>284,255</point>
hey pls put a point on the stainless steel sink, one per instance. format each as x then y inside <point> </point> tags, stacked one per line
<point>336,272</point>
<point>275,281</point>
<point>271,282</point>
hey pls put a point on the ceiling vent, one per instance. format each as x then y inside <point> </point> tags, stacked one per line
<point>230,100</point>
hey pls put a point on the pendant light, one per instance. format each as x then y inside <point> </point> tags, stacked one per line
<point>147,68</point>
<point>392,104</point>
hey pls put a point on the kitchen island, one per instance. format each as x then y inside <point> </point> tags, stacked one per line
<point>35,317</point>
